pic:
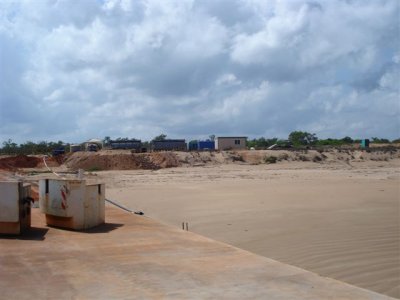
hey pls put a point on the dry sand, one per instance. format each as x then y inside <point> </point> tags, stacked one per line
<point>335,213</point>
<point>338,220</point>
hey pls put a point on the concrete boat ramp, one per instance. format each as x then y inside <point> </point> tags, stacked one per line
<point>134,257</point>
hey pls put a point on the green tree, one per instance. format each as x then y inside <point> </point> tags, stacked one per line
<point>347,140</point>
<point>106,140</point>
<point>9,147</point>
<point>300,138</point>
<point>380,141</point>
<point>160,137</point>
<point>30,147</point>
<point>42,147</point>
<point>261,143</point>
<point>330,142</point>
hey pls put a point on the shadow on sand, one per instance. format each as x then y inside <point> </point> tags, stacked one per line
<point>32,234</point>
<point>103,228</point>
<point>38,234</point>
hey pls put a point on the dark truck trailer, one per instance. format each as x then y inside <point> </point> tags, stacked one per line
<point>169,145</point>
<point>58,151</point>
<point>128,144</point>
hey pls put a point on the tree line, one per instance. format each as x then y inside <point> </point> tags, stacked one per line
<point>295,139</point>
<point>29,147</point>
<point>302,138</point>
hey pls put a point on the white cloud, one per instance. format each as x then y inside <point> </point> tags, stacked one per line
<point>192,68</point>
<point>237,104</point>
<point>229,79</point>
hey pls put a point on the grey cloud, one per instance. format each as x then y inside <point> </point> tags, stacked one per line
<point>75,70</point>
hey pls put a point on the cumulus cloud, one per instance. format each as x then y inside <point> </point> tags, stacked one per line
<point>73,70</point>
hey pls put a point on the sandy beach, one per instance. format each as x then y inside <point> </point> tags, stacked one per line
<point>337,220</point>
<point>335,213</point>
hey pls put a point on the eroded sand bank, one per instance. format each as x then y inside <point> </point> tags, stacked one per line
<point>338,220</point>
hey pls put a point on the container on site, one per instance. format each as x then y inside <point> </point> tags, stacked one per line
<point>169,145</point>
<point>15,207</point>
<point>71,203</point>
<point>364,143</point>
<point>206,145</point>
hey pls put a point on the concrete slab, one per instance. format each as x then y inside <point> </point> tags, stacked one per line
<point>134,257</point>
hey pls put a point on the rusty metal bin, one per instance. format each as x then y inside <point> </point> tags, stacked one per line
<point>72,204</point>
<point>15,207</point>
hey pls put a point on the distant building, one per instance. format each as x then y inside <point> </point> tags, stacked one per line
<point>132,144</point>
<point>169,145</point>
<point>201,145</point>
<point>230,143</point>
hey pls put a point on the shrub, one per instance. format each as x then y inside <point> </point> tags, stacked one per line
<point>317,158</point>
<point>94,169</point>
<point>283,156</point>
<point>270,159</point>
<point>303,158</point>
<point>236,157</point>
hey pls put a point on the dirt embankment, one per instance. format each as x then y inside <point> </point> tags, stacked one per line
<point>121,160</point>
<point>125,160</point>
<point>319,156</point>
<point>13,163</point>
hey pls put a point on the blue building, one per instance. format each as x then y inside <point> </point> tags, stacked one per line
<point>206,145</point>
<point>201,145</point>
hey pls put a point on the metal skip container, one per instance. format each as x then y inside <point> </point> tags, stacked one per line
<point>15,207</point>
<point>72,204</point>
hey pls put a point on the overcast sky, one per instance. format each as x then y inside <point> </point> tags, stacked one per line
<point>73,70</point>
